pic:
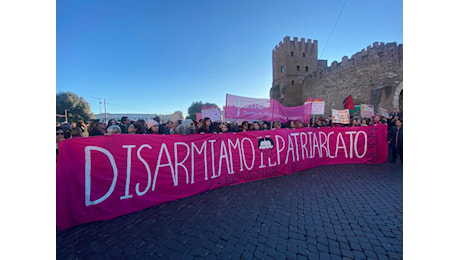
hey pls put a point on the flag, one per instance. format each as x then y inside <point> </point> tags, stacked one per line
<point>348,103</point>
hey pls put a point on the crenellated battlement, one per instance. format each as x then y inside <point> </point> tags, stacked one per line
<point>374,53</point>
<point>310,47</point>
<point>299,74</point>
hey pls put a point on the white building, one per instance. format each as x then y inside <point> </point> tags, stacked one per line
<point>133,117</point>
<point>117,117</point>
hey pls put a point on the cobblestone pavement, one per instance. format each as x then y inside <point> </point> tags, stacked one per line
<point>330,212</point>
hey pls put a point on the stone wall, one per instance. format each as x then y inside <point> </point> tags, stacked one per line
<point>371,76</point>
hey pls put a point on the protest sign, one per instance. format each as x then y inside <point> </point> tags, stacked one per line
<point>102,177</point>
<point>212,113</point>
<point>367,111</point>
<point>199,116</point>
<point>317,107</point>
<point>264,109</point>
<point>384,112</point>
<point>340,116</point>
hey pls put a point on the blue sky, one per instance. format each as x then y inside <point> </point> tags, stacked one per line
<point>160,56</point>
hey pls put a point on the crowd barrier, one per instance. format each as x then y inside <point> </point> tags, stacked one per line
<point>102,177</point>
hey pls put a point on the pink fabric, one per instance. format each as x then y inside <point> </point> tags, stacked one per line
<point>102,177</point>
<point>264,109</point>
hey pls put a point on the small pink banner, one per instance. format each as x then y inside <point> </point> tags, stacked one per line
<point>198,116</point>
<point>264,109</point>
<point>102,177</point>
<point>212,113</point>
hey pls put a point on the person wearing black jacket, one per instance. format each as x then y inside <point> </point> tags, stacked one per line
<point>124,124</point>
<point>395,139</point>
<point>206,127</point>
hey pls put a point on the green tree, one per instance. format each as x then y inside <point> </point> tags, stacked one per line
<point>77,108</point>
<point>195,107</point>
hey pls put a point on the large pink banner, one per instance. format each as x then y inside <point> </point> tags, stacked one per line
<point>238,107</point>
<point>102,177</point>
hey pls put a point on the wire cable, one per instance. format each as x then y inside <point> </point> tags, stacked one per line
<point>333,28</point>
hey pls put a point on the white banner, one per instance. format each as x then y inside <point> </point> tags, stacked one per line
<point>317,108</point>
<point>340,116</point>
<point>367,111</point>
<point>384,112</point>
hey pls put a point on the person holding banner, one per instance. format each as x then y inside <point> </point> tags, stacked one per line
<point>255,126</point>
<point>319,122</point>
<point>298,124</point>
<point>96,128</point>
<point>265,125</point>
<point>175,127</point>
<point>244,126</point>
<point>59,137</point>
<point>395,139</point>
<point>140,126</point>
<point>354,122</point>
<point>376,120</point>
<point>152,127</point>
<point>290,124</point>
<point>224,127</point>
<point>187,127</point>
<point>206,126</point>
<point>132,128</point>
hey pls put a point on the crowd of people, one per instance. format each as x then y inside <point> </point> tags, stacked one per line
<point>188,126</point>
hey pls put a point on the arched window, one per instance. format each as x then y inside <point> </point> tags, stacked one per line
<point>292,53</point>
<point>292,83</point>
<point>306,68</point>
<point>298,67</point>
<point>282,69</point>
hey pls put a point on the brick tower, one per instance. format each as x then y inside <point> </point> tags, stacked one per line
<point>292,61</point>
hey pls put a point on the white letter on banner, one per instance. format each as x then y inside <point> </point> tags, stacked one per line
<point>128,172</point>
<point>253,153</point>
<point>312,153</point>
<point>290,148</point>
<point>88,150</point>
<point>261,155</point>
<point>365,144</point>
<point>181,163</point>
<point>149,174</point>
<point>278,151</point>
<point>296,145</point>
<point>351,141</point>
<point>237,145</point>
<point>304,144</point>
<point>212,156</point>
<point>316,146</point>
<point>223,151</point>
<point>270,155</point>
<point>328,147</point>
<point>323,144</point>
<point>203,147</point>
<point>344,147</point>
<point>174,176</point>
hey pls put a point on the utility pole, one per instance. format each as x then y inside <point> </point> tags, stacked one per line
<point>105,109</point>
<point>65,115</point>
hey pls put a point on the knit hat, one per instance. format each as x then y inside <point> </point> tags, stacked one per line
<point>151,123</point>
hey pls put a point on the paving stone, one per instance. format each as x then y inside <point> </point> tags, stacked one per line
<point>348,211</point>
